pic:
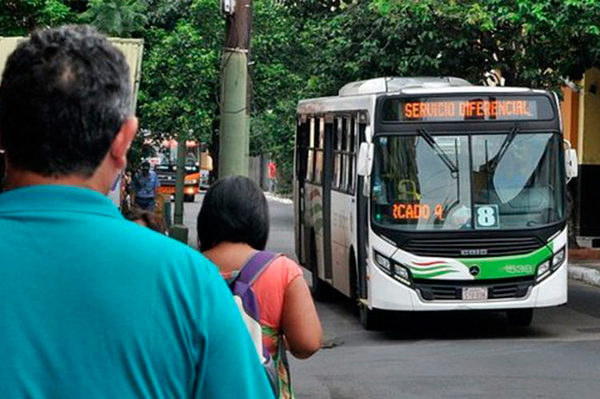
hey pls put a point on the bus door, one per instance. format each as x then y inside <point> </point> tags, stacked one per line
<point>316,200</point>
<point>362,220</point>
<point>301,162</point>
<point>313,199</point>
<point>326,129</point>
<point>342,213</point>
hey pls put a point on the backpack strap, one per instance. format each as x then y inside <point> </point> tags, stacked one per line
<point>250,271</point>
<point>254,267</point>
<point>241,287</point>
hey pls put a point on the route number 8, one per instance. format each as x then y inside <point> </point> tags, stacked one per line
<point>487,216</point>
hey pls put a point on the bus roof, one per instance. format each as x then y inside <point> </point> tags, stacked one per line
<point>394,84</point>
<point>362,94</point>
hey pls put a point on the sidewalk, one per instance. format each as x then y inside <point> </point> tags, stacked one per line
<point>279,198</point>
<point>584,265</point>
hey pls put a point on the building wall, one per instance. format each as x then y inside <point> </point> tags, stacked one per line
<point>585,188</point>
<point>569,108</point>
<point>589,118</point>
<point>131,48</point>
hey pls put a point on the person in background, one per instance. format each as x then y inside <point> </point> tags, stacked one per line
<point>233,225</point>
<point>272,166</point>
<point>144,187</point>
<point>93,306</point>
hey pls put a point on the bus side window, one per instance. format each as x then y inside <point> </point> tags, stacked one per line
<point>320,144</point>
<point>352,155</point>
<point>302,143</point>
<point>337,146</point>
<point>311,152</point>
<point>344,159</point>
<point>348,169</point>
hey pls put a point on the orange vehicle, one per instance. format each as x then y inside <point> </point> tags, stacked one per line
<point>166,169</point>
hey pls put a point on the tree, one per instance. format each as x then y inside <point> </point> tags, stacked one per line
<point>179,83</point>
<point>116,17</point>
<point>534,43</point>
<point>19,17</point>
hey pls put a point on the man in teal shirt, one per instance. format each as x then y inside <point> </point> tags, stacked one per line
<point>91,305</point>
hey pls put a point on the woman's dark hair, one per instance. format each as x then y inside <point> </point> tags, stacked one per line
<point>64,95</point>
<point>234,210</point>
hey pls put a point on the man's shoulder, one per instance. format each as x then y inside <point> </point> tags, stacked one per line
<point>152,246</point>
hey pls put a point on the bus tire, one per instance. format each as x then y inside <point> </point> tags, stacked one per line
<point>520,317</point>
<point>189,197</point>
<point>355,295</point>
<point>370,319</point>
<point>318,287</point>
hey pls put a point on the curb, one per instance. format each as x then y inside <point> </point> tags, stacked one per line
<point>585,274</point>
<point>278,199</point>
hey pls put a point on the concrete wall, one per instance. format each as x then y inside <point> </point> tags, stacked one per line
<point>131,48</point>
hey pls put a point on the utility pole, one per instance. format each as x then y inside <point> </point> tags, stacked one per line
<point>178,230</point>
<point>235,94</point>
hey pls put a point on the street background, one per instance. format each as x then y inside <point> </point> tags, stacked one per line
<point>445,355</point>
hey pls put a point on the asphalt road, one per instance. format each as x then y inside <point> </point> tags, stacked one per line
<point>447,355</point>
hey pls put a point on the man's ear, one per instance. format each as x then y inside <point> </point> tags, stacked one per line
<point>122,142</point>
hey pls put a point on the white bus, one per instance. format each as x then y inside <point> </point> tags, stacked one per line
<point>430,194</point>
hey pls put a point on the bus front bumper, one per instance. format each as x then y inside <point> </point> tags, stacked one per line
<point>388,294</point>
<point>187,190</point>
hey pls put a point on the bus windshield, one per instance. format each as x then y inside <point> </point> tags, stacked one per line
<point>466,182</point>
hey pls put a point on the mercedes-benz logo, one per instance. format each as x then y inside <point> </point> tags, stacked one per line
<point>474,270</point>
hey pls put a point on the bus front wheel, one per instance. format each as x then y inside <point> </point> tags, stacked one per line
<point>520,317</point>
<point>370,319</point>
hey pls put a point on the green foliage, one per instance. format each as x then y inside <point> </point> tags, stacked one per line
<point>180,77</point>
<point>534,43</point>
<point>116,17</point>
<point>19,17</point>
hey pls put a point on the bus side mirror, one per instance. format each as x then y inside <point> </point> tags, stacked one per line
<point>365,159</point>
<point>571,170</point>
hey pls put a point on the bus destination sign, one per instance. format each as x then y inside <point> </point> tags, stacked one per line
<point>403,211</point>
<point>438,109</point>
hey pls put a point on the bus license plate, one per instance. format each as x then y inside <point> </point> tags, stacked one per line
<point>474,293</point>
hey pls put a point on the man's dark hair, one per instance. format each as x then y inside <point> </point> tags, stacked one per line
<point>234,210</point>
<point>65,93</point>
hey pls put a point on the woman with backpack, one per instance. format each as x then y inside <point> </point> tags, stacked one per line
<point>233,227</point>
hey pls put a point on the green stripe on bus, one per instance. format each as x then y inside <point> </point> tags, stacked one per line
<point>433,274</point>
<point>509,266</point>
<point>426,269</point>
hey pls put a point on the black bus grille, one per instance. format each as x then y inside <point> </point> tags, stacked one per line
<point>452,290</point>
<point>472,247</point>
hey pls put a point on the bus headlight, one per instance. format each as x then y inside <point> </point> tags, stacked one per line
<point>396,270</point>
<point>548,267</point>
<point>543,271</point>
<point>382,262</point>
<point>401,274</point>
<point>558,259</point>
<point>191,181</point>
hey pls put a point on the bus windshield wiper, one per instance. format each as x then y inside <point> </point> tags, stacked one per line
<point>503,148</point>
<point>439,152</point>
